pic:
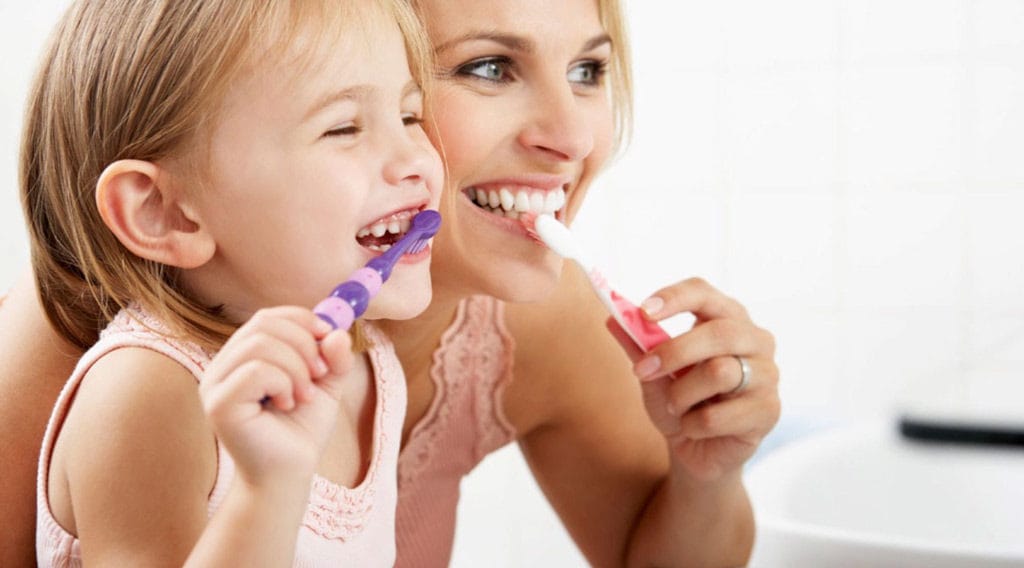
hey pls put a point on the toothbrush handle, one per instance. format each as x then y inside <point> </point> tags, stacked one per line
<point>645,333</point>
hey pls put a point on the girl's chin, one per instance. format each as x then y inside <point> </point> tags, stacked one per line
<point>399,305</point>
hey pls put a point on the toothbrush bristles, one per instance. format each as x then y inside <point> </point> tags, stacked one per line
<point>528,220</point>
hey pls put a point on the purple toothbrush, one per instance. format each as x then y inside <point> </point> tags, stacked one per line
<point>350,299</point>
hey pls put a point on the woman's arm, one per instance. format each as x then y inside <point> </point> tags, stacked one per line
<point>611,459</point>
<point>34,364</point>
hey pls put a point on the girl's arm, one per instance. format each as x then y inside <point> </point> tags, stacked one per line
<point>630,481</point>
<point>34,364</point>
<point>136,460</point>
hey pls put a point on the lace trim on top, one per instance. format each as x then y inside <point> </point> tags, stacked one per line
<point>334,511</point>
<point>471,356</point>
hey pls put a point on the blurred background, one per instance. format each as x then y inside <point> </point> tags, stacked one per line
<point>852,170</point>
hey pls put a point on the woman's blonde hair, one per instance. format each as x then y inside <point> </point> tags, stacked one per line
<point>143,79</point>
<point>620,72</point>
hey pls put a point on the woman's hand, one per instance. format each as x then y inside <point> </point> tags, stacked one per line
<point>693,384</point>
<point>272,393</point>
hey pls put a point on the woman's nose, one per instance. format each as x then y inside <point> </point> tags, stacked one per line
<point>557,126</point>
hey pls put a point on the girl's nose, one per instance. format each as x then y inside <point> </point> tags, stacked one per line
<point>411,161</point>
<point>557,127</point>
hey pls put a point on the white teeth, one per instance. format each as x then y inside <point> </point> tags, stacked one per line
<point>507,201</point>
<point>394,227</point>
<point>405,223</point>
<point>364,232</point>
<point>537,202</point>
<point>378,229</point>
<point>554,201</point>
<point>522,202</point>
<point>504,203</point>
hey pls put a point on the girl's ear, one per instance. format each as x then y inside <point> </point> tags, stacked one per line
<point>149,218</point>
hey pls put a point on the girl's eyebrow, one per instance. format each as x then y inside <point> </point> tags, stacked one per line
<point>355,93</point>
<point>513,42</point>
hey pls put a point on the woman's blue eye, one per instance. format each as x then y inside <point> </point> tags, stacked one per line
<point>491,69</point>
<point>587,73</point>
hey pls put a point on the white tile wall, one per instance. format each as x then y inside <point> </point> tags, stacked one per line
<point>853,170</point>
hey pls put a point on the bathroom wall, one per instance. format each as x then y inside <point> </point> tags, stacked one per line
<point>852,170</point>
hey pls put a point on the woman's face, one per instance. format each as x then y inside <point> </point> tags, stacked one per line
<point>523,120</point>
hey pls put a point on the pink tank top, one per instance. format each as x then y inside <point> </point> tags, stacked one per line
<point>342,526</point>
<point>464,423</point>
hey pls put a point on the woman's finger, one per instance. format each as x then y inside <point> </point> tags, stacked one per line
<point>716,377</point>
<point>730,417</point>
<point>707,340</point>
<point>696,296</point>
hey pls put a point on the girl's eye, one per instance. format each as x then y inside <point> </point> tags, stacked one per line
<point>589,73</point>
<point>347,130</point>
<point>411,120</point>
<point>493,69</point>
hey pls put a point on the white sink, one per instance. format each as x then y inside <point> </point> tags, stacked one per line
<point>863,496</point>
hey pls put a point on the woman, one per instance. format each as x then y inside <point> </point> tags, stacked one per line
<point>642,468</point>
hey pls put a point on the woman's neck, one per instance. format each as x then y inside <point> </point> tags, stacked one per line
<point>416,339</point>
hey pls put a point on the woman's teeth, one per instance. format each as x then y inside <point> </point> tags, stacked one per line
<point>508,204</point>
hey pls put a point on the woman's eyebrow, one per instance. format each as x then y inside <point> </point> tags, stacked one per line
<point>596,42</point>
<point>512,42</point>
<point>515,43</point>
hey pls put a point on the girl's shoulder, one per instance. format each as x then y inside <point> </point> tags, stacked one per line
<point>133,433</point>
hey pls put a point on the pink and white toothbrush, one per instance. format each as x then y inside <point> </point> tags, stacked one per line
<point>549,231</point>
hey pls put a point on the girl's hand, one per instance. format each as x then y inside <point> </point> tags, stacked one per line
<point>272,393</point>
<point>690,382</point>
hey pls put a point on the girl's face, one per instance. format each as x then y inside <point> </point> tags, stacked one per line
<point>311,157</point>
<point>524,121</point>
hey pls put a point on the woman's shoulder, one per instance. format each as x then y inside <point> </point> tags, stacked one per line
<point>564,353</point>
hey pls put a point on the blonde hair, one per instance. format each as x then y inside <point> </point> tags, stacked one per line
<point>142,79</point>
<point>620,72</point>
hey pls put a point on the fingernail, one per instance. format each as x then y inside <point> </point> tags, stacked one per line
<point>647,368</point>
<point>651,306</point>
<point>323,327</point>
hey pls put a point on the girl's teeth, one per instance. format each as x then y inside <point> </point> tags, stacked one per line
<point>394,227</point>
<point>378,229</point>
<point>481,197</point>
<point>493,200</point>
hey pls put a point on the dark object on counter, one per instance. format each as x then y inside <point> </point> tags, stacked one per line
<point>949,431</point>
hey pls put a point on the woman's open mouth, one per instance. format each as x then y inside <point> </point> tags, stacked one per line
<point>510,202</point>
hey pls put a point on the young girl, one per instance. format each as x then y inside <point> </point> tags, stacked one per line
<point>206,167</point>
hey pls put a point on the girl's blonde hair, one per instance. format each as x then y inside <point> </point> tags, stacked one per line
<point>143,79</point>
